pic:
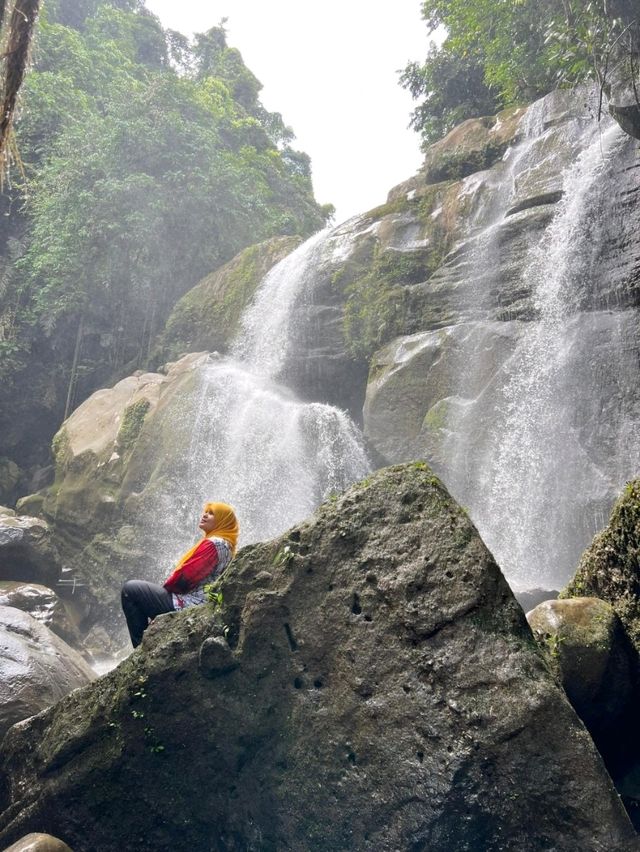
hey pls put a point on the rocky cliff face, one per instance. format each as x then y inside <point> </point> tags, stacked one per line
<point>493,304</point>
<point>516,379</point>
<point>369,682</point>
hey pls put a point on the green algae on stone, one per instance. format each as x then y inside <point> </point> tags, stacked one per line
<point>131,425</point>
<point>610,568</point>
<point>207,317</point>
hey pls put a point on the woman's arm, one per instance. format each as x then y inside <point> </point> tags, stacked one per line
<point>199,565</point>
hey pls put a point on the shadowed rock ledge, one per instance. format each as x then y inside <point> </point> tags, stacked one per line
<point>380,689</point>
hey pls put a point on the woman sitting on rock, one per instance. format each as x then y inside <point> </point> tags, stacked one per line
<point>200,566</point>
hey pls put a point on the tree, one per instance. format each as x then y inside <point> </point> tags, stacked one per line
<point>497,53</point>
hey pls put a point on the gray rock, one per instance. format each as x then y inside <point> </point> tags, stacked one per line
<point>9,478</point>
<point>586,645</point>
<point>389,696</point>
<point>43,604</point>
<point>530,598</point>
<point>27,551</point>
<point>36,667</point>
<point>216,657</point>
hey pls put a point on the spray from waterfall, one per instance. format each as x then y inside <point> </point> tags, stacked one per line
<point>254,444</point>
<point>537,465</point>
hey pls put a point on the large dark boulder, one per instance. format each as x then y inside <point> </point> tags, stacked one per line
<point>380,690</point>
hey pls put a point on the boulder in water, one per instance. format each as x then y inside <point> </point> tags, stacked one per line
<point>36,667</point>
<point>387,694</point>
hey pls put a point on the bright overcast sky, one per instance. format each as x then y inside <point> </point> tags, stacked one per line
<point>330,68</point>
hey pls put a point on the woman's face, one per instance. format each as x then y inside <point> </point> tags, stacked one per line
<point>207,522</point>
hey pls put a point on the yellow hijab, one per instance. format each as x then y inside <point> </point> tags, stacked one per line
<point>226,527</point>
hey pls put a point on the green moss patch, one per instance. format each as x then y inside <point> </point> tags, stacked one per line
<point>131,425</point>
<point>610,567</point>
<point>207,317</point>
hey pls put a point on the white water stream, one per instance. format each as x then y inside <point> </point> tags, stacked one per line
<point>255,445</point>
<point>534,469</point>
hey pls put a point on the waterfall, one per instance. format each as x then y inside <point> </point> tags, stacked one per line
<point>254,444</point>
<point>535,465</point>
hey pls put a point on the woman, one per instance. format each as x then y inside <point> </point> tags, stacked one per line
<point>204,563</point>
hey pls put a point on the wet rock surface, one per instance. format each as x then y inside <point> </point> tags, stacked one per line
<point>587,647</point>
<point>43,604</point>
<point>387,695</point>
<point>27,550</point>
<point>36,667</point>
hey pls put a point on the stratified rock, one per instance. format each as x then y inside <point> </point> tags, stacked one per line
<point>459,352</point>
<point>36,667</point>
<point>388,695</point>
<point>27,551</point>
<point>586,646</point>
<point>43,604</point>
<point>610,567</point>
<point>622,80</point>
<point>39,843</point>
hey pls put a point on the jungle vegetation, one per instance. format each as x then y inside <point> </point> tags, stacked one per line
<point>145,161</point>
<point>496,54</point>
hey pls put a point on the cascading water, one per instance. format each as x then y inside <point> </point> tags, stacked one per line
<point>523,473</point>
<point>253,443</point>
<point>537,465</point>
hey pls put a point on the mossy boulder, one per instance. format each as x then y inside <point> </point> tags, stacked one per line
<point>110,459</point>
<point>610,568</point>
<point>368,682</point>
<point>472,146</point>
<point>207,316</point>
<point>586,646</point>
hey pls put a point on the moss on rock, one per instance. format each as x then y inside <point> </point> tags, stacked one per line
<point>610,568</point>
<point>207,316</point>
<point>131,425</point>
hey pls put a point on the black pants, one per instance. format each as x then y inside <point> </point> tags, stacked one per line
<point>140,602</point>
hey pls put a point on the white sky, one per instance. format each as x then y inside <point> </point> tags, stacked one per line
<point>330,68</point>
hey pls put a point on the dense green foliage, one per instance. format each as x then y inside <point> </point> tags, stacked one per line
<point>498,53</point>
<point>149,161</point>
